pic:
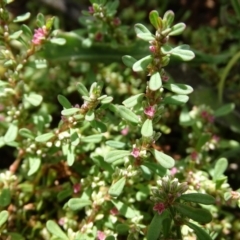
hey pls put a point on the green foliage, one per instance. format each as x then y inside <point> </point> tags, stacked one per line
<point>96,148</point>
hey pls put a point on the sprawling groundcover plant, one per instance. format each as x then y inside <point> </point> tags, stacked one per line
<point>96,167</point>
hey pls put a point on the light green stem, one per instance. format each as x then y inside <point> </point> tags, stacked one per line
<point>224,75</point>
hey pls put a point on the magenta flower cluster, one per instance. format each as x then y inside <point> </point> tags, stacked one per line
<point>39,35</point>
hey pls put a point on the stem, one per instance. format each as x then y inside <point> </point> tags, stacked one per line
<point>178,229</point>
<point>224,75</point>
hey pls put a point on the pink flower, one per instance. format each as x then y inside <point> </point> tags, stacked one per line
<point>116,21</point>
<point>101,235</point>
<point>135,152</point>
<point>207,116</point>
<point>124,131</point>
<point>76,188</point>
<point>39,35</point>
<point>149,111</point>
<point>159,207</point>
<point>61,221</point>
<point>173,171</point>
<point>114,211</point>
<point>91,10</point>
<point>194,155</point>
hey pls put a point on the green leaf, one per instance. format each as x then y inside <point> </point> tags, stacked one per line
<point>65,193</point>
<point>141,65</point>
<point>155,226</point>
<point>178,88</point>
<point>128,60</point>
<point>201,234</point>
<point>224,110</point>
<point>176,99</point>
<point>82,89</point>
<point>22,18</point>
<point>107,100</point>
<point>220,167</point>
<point>185,118</point>
<point>16,236</point>
<point>140,28</point>
<point>146,36</point>
<point>69,111</point>
<point>74,138</point>
<point>163,159</point>
<point>114,155</point>
<point>16,35</point>
<point>177,29</point>
<point>44,137</point>
<point>58,41</point>
<point>40,20</point>
<point>133,100</point>
<point>155,81</point>
<point>166,225</point>
<point>64,101</point>
<point>24,132</point>
<point>124,209</point>
<point>155,20</point>
<point>147,173</point>
<point>90,115</point>
<point>33,98</point>
<point>202,140</point>
<point>200,215</point>
<point>198,198</point>
<point>110,238</point>
<point>155,168</point>
<point>116,188</point>
<point>26,30</point>
<point>99,126</point>
<point>5,197</point>
<point>95,138</point>
<point>55,230</point>
<point>71,155</point>
<point>183,52</point>
<point>34,165</point>
<point>236,6</point>
<point>11,133</point>
<point>115,144</point>
<point>127,114</point>
<point>3,217</point>
<point>78,203</point>
<point>169,17</point>
<point>147,128</point>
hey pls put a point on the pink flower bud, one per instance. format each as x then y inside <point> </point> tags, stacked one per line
<point>76,188</point>
<point>124,131</point>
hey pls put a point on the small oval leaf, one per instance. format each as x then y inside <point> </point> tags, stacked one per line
<point>224,110</point>
<point>141,65</point>
<point>177,29</point>
<point>116,188</point>
<point>140,28</point>
<point>69,111</point>
<point>44,137</point>
<point>124,209</point>
<point>128,60</point>
<point>3,217</point>
<point>133,100</point>
<point>155,81</point>
<point>64,101</point>
<point>34,165</point>
<point>163,159</point>
<point>220,167</point>
<point>55,230</point>
<point>78,203</point>
<point>114,155</point>
<point>178,88</point>
<point>176,99</point>
<point>127,114</point>
<point>147,128</point>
